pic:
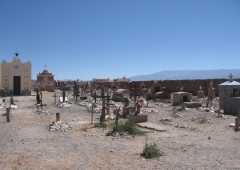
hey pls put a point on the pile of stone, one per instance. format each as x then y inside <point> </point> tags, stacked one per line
<point>150,110</point>
<point>59,126</point>
<point>13,106</point>
<point>84,103</point>
<point>64,105</point>
<point>45,112</point>
<point>209,109</point>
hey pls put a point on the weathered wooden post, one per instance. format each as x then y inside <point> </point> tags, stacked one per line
<point>211,94</point>
<point>92,110</point>
<point>108,102</point>
<point>138,109</point>
<point>237,123</point>
<point>12,100</point>
<point>57,117</point>
<point>200,93</point>
<point>95,96</point>
<point>103,114</point>
<point>38,97</point>
<point>8,114</point>
<point>63,95</point>
<point>116,119</point>
<point>76,91</point>
<point>125,110</point>
<point>41,100</point>
<point>55,97</point>
<point>135,91</point>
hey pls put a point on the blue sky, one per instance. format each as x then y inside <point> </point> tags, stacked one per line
<point>84,39</point>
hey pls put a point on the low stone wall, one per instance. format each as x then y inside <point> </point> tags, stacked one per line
<point>5,93</point>
<point>169,86</point>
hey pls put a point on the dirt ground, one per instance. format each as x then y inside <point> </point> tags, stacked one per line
<point>194,139</point>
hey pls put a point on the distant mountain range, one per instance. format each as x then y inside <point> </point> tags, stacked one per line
<point>188,75</point>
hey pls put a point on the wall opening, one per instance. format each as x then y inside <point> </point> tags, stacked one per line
<point>16,85</point>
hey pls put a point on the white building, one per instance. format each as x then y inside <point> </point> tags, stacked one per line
<point>15,77</point>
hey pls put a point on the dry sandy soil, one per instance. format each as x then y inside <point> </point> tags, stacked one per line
<point>195,140</point>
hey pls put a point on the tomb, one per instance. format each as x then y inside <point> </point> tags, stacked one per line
<point>229,97</point>
<point>178,98</point>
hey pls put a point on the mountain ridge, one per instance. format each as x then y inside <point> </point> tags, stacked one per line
<point>188,75</point>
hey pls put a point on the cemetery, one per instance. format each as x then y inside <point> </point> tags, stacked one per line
<point>106,125</point>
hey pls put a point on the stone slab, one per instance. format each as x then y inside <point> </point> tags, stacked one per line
<point>152,126</point>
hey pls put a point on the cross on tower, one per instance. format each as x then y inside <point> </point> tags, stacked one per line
<point>45,67</point>
<point>231,77</point>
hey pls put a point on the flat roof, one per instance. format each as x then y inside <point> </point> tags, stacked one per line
<point>230,83</point>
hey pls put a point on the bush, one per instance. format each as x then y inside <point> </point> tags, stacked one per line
<point>151,151</point>
<point>100,125</point>
<point>128,127</point>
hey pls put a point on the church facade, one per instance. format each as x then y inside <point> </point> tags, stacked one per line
<point>16,77</point>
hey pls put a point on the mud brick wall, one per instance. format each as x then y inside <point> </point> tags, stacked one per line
<point>169,86</point>
<point>191,86</point>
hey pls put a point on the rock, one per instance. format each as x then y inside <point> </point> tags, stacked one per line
<point>64,105</point>
<point>152,126</point>
<point>166,121</point>
<point>178,108</point>
<point>13,106</point>
<point>59,126</point>
<point>192,104</point>
<point>139,118</point>
<point>149,110</point>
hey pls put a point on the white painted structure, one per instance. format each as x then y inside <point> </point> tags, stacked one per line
<point>15,76</point>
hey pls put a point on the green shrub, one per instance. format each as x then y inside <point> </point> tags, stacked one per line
<point>151,151</point>
<point>100,125</point>
<point>128,127</point>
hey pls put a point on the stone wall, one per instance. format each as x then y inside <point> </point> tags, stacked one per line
<point>169,86</point>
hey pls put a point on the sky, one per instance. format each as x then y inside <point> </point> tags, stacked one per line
<point>85,39</point>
